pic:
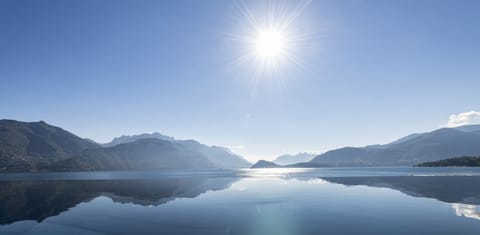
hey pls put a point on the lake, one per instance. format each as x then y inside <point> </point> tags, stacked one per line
<point>397,200</point>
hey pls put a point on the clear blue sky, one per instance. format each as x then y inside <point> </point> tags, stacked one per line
<point>371,71</point>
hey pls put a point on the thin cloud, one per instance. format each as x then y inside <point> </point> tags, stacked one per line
<point>466,118</point>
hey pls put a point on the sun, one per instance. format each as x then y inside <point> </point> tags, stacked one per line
<point>270,44</point>
<point>272,38</point>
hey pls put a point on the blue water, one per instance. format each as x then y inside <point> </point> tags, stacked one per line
<point>276,172</point>
<point>270,201</point>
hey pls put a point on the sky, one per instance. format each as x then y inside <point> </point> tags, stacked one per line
<point>352,72</point>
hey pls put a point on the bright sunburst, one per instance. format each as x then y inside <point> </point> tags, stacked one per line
<point>271,37</point>
<point>270,44</point>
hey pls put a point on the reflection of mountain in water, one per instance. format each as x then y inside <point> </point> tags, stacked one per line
<point>37,200</point>
<point>452,189</point>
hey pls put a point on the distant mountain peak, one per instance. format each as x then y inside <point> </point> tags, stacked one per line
<point>132,138</point>
<point>289,159</point>
<point>264,164</point>
<point>220,156</point>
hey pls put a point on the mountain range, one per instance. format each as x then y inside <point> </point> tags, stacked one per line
<point>410,150</point>
<point>38,146</point>
<point>219,156</point>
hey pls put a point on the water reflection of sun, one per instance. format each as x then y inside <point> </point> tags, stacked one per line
<point>283,173</point>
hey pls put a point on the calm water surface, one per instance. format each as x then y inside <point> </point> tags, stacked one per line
<point>276,201</point>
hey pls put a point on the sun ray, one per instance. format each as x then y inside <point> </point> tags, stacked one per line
<point>270,41</point>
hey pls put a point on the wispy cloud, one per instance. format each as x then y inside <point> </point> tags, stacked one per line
<point>471,117</point>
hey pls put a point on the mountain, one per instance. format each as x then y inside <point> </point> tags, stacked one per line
<point>221,157</point>
<point>30,146</point>
<point>469,128</point>
<point>457,161</point>
<point>141,154</point>
<point>91,141</point>
<point>264,164</point>
<point>403,139</point>
<point>132,138</point>
<point>432,146</point>
<point>288,159</point>
<point>37,146</point>
<point>153,153</point>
